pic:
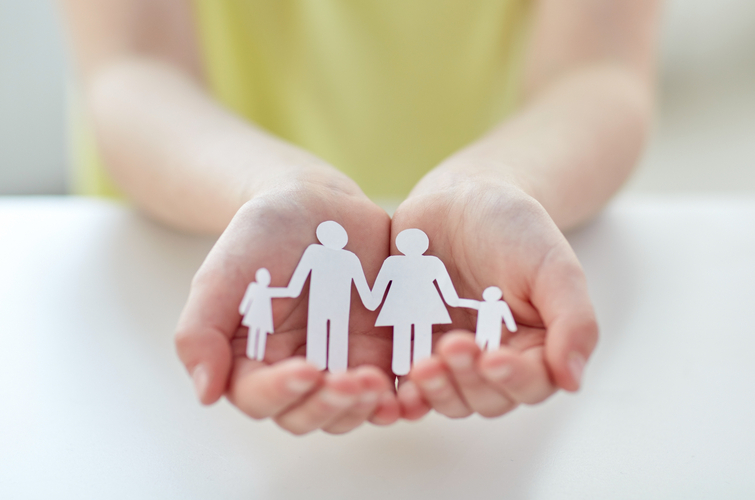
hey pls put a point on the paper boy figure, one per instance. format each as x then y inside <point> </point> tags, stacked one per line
<point>257,310</point>
<point>490,312</point>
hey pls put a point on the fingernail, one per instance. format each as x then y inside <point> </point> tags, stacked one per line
<point>434,384</point>
<point>499,372</point>
<point>336,399</point>
<point>460,361</point>
<point>201,380</point>
<point>298,385</point>
<point>576,366</point>
<point>368,398</point>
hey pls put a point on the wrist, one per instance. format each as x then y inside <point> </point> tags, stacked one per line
<point>308,177</point>
<point>460,177</point>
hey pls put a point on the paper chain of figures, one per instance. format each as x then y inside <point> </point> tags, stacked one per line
<point>412,301</point>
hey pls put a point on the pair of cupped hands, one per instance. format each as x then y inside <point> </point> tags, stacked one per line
<point>486,232</point>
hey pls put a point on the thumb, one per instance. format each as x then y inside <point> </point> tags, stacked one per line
<point>206,354</point>
<point>561,297</point>
<point>204,332</point>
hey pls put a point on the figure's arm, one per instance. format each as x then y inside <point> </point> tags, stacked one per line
<point>381,283</point>
<point>446,286</point>
<point>508,318</point>
<point>278,292</point>
<point>301,272</point>
<point>363,288</point>
<point>170,147</point>
<point>469,303</point>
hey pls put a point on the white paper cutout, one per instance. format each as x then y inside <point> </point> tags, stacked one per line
<point>412,302</point>
<point>332,271</point>
<point>490,312</point>
<point>257,310</point>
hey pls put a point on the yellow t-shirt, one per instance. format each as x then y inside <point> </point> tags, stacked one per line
<point>382,89</point>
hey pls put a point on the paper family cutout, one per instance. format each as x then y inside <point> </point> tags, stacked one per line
<point>412,303</point>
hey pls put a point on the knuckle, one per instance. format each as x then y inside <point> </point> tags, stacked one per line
<point>183,340</point>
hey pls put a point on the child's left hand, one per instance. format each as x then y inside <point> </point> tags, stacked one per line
<point>489,232</point>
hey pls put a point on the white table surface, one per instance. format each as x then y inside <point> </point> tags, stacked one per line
<point>94,403</point>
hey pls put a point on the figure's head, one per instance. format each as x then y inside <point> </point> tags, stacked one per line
<point>332,235</point>
<point>262,276</point>
<point>412,242</point>
<point>492,294</point>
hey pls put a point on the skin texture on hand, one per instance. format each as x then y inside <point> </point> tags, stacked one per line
<point>495,234</point>
<point>272,231</point>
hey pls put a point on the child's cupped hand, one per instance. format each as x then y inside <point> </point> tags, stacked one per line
<point>486,234</point>
<point>272,231</point>
<point>492,233</point>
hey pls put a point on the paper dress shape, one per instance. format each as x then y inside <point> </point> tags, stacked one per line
<point>412,304</point>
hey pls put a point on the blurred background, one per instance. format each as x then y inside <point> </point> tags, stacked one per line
<point>704,139</point>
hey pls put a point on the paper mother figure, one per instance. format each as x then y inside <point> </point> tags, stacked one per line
<point>413,301</point>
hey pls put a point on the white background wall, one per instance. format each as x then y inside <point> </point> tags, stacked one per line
<point>32,98</point>
<point>704,139</point>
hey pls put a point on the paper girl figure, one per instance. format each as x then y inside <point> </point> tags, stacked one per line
<point>412,300</point>
<point>257,309</point>
<point>490,312</point>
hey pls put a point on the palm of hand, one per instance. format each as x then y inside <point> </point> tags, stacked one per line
<point>273,232</point>
<point>495,237</point>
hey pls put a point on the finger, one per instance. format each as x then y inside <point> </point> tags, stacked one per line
<point>435,384</point>
<point>261,390</point>
<point>523,376</point>
<point>202,339</point>
<point>336,397</point>
<point>388,410</point>
<point>459,353</point>
<point>373,384</point>
<point>560,295</point>
<point>410,400</point>
<point>210,317</point>
<point>207,356</point>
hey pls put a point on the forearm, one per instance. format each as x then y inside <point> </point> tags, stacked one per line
<point>570,147</point>
<point>180,156</point>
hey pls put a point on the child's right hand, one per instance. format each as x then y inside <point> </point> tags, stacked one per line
<point>273,230</point>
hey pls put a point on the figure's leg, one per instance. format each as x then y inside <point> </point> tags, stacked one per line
<point>494,340</point>
<point>338,345</point>
<point>251,343</point>
<point>317,341</point>
<point>261,340</point>
<point>402,349</point>
<point>480,340</point>
<point>423,342</point>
